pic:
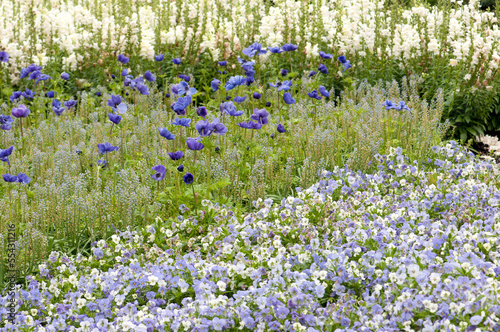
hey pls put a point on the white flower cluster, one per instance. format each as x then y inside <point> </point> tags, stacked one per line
<point>70,31</point>
<point>492,142</point>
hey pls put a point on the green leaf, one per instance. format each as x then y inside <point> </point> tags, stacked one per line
<point>463,135</point>
<point>472,131</point>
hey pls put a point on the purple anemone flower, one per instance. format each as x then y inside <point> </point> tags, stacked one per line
<point>114,101</point>
<point>323,91</point>
<point>159,57</point>
<point>222,63</point>
<point>56,107</point>
<point>183,88</point>
<point>65,76</point>
<point>219,127</point>
<point>325,55</point>
<point>50,94</point>
<point>114,118</point>
<point>102,163</point>
<point>160,172</point>
<point>5,153</point>
<point>106,148</point>
<point>239,100</point>
<point>58,110</point>
<point>275,49</point>
<point>181,104</point>
<point>202,111</point>
<point>121,108</point>
<point>204,128</point>
<point>287,97</point>
<point>254,49</point>
<point>230,109</point>
<point>143,89</point>
<point>402,106</point>
<point>123,59</point>
<point>23,178</point>
<point>15,96</point>
<point>194,143</point>
<point>177,61</point>
<point>70,103</point>
<point>281,128</point>
<point>250,125</point>
<point>176,155</point>
<point>149,76</point>
<point>188,178</point>
<point>215,84</point>
<point>20,112</point>
<point>322,68</point>
<point>4,56</point>
<point>35,75</point>
<point>260,116</point>
<point>42,77</point>
<point>246,64</point>
<point>398,107</point>
<point>184,122</point>
<point>282,86</point>
<point>314,95</point>
<point>6,122</point>
<point>9,178</point>
<point>167,134</point>
<point>28,94</point>
<point>289,47</point>
<point>346,63</point>
<point>235,81</point>
<point>185,77</point>
<point>25,72</point>
<point>388,105</point>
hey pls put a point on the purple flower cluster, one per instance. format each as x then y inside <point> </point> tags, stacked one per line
<point>411,246</point>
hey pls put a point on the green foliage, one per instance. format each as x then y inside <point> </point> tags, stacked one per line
<point>72,201</point>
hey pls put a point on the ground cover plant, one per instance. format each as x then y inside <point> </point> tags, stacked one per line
<point>453,44</point>
<point>409,247</point>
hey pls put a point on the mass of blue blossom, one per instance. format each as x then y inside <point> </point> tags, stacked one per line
<point>409,247</point>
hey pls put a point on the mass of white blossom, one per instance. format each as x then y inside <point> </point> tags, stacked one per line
<point>493,144</point>
<point>74,32</point>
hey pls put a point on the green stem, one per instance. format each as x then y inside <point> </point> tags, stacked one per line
<point>1,83</point>
<point>177,178</point>
<point>315,112</point>
<point>209,170</point>
<point>121,148</point>
<point>194,197</point>
<point>278,101</point>
<point>22,136</point>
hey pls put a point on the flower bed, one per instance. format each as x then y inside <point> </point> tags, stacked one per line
<point>410,247</point>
